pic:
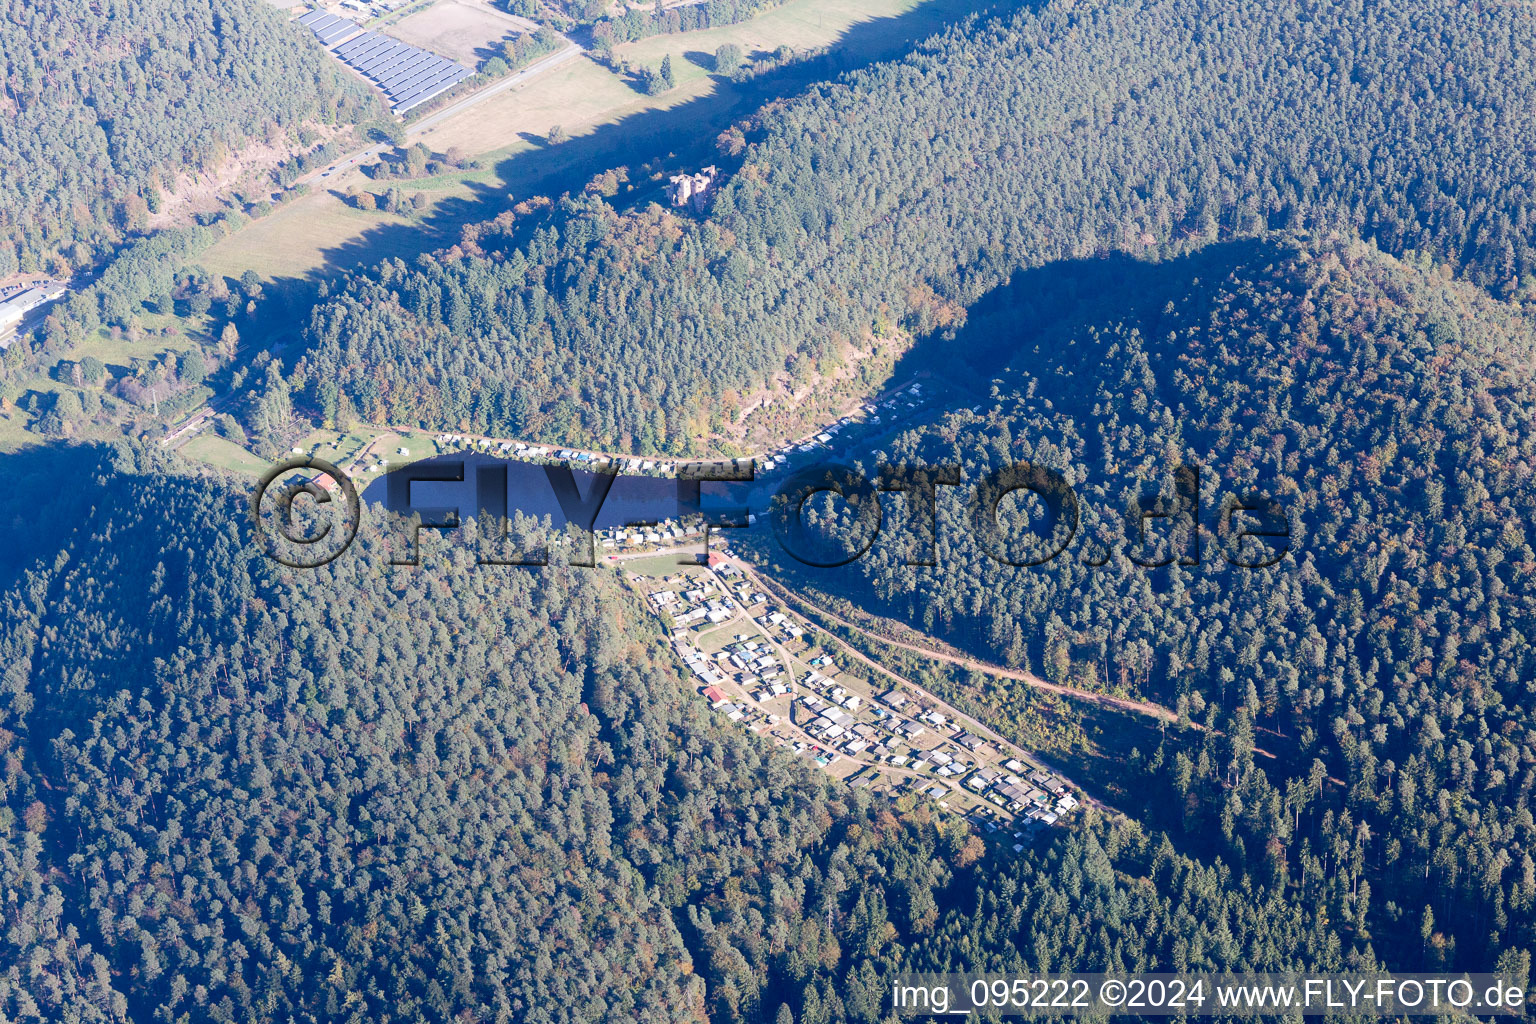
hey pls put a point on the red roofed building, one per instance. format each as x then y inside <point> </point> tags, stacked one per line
<point>713,694</point>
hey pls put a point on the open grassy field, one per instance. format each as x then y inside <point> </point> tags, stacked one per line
<point>584,95</point>
<point>463,30</point>
<point>338,448</point>
<point>320,234</point>
<point>304,236</point>
<point>187,332</point>
<point>223,453</point>
<point>344,447</point>
<point>797,24</point>
<point>13,431</point>
<point>578,96</point>
<point>660,565</point>
<point>711,641</point>
<point>115,350</point>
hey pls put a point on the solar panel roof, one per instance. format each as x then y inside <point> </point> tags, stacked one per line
<point>372,48</point>
<point>397,81</point>
<point>403,73</point>
<point>421,96</point>
<point>402,58</point>
<point>332,33</point>
<point>437,82</point>
<point>381,58</point>
<point>421,74</point>
<point>397,57</point>
<point>360,44</point>
<point>407,75</point>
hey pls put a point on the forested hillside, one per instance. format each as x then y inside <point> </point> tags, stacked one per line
<point>1289,241</point>
<point>458,793</point>
<point>903,194</point>
<point>1391,412</point>
<point>104,104</point>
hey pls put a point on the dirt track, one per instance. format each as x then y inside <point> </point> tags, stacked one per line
<point>1103,699</point>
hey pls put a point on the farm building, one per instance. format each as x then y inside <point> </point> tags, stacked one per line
<point>407,75</point>
<point>17,301</point>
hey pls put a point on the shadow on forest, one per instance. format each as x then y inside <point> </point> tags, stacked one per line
<point>1055,302</point>
<point>1054,307</point>
<point>47,496</point>
<point>677,138</point>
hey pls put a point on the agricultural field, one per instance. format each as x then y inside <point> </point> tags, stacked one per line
<point>320,234</point>
<point>468,31</point>
<point>307,235</point>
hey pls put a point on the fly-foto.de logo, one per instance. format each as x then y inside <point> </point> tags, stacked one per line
<point>1252,530</point>
<point>307,512</point>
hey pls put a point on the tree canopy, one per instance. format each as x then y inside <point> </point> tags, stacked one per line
<point>105,104</point>
<point>1389,411</point>
<point>901,194</point>
<point>232,791</point>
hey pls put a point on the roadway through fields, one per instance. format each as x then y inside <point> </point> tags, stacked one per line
<point>364,156</point>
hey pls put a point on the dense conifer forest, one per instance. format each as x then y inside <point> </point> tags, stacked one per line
<point>1289,242</point>
<point>445,793</point>
<point>104,104</point>
<point>897,197</point>
<point>1384,665</point>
